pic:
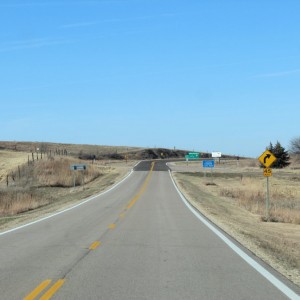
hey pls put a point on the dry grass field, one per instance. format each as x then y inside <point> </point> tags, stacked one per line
<point>9,162</point>
<point>47,184</point>
<point>233,197</point>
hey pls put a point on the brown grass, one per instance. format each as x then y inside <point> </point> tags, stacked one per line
<point>236,202</point>
<point>24,193</point>
<point>20,200</point>
<point>47,184</point>
<point>9,162</point>
<point>250,193</point>
<point>57,173</point>
<point>245,184</point>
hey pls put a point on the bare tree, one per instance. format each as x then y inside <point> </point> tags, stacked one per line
<point>295,145</point>
<point>44,147</point>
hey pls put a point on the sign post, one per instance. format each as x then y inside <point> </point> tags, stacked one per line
<point>267,159</point>
<point>268,200</point>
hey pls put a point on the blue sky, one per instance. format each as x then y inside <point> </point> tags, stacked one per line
<point>201,75</point>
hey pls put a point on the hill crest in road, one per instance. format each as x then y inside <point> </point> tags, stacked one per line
<point>159,165</point>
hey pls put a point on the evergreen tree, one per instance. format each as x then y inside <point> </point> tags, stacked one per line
<point>270,148</point>
<point>281,154</point>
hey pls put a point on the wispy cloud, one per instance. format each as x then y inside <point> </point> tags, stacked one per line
<point>278,74</point>
<point>32,43</point>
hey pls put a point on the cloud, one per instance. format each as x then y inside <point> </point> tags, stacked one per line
<point>32,43</point>
<point>278,74</point>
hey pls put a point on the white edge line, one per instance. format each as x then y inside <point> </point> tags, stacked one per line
<point>69,208</point>
<point>270,277</point>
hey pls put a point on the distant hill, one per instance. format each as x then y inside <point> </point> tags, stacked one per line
<point>93,151</point>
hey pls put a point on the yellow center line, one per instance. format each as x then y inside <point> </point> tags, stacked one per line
<point>94,245</point>
<point>53,290</point>
<point>48,295</point>
<point>143,188</point>
<point>38,290</point>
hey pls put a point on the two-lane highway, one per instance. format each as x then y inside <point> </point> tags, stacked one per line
<point>137,241</point>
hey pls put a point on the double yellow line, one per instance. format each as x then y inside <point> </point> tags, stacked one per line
<point>58,284</point>
<point>42,287</point>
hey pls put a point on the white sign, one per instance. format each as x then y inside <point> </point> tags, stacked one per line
<point>216,154</point>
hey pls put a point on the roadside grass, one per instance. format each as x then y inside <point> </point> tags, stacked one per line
<point>50,182</point>
<point>234,199</point>
<point>18,200</point>
<point>246,185</point>
<point>57,173</point>
<point>251,194</point>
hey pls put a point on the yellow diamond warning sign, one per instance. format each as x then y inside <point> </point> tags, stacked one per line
<point>267,158</point>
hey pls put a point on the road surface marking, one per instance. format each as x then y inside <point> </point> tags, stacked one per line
<point>255,265</point>
<point>94,245</point>
<point>143,188</point>
<point>38,290</point>
<point>53,290</point>
<point>112,226</point>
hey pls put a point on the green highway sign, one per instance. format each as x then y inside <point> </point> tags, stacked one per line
<point>192,156</point>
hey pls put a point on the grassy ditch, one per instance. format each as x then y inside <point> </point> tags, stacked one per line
<point>47,185</point>
<point>23,189</point>
<point>236,203</point>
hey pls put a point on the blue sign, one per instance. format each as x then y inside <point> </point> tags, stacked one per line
<point>208,163</point>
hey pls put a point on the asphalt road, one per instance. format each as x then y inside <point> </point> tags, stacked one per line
<point>137,241</point>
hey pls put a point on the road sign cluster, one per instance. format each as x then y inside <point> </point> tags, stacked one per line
<point>267,159</point>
